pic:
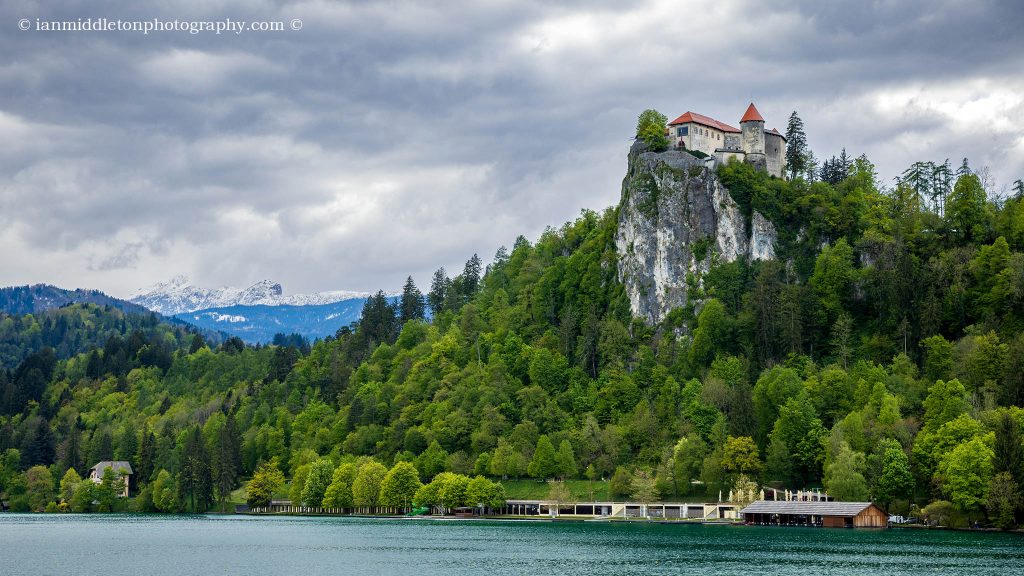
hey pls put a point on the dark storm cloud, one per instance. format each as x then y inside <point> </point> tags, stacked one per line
<point>384,139</point>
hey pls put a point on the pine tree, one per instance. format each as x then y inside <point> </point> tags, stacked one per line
<point>227,462</point>
<point>439,286</point>
<point>411,306</point>
<point>145,456</point>
<point>197,343</point>
<point>470,284</point>
<point>964,169</point>
<point>195,480</point>
<point>796,146</point>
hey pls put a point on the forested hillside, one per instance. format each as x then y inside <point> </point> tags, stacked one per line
<point>880,356</point>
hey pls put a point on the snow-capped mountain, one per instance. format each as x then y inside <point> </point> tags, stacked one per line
<point>179,295</point>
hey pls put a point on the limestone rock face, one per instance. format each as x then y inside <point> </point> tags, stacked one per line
<point>675,220</point>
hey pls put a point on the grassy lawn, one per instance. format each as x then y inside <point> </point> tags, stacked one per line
<point>536,490</point>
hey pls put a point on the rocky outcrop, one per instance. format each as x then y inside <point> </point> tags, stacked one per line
<point>675,220</point>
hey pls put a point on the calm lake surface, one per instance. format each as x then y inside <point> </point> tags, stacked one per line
<point>182,545</point>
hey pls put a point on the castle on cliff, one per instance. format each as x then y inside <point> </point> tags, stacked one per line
<point>751,143</point>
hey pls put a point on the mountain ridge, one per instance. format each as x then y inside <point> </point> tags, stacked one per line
<point>180,296</point>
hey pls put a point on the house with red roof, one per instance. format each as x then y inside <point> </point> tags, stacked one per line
<point>751,143</point>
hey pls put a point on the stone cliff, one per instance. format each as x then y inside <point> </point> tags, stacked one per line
<point>675,220</point>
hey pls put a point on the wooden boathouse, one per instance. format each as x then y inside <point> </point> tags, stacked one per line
<point>825,514</point>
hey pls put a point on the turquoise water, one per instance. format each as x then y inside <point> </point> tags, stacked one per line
<point>183,545</point>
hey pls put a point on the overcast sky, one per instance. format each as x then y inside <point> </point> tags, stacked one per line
<point>384,139</point>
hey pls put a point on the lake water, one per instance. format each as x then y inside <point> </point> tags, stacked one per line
<point>183,545</point>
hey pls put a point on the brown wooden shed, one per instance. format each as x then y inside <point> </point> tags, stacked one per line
<point>826,514</point>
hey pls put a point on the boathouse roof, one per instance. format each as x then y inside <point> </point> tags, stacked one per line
<point>797,507</point>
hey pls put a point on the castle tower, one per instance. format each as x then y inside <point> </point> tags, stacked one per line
<point>752,137</point>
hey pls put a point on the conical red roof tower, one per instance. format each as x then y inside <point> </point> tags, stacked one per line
<point>751,115</point>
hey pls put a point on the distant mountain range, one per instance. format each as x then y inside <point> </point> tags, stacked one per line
<point>259,323</point>
<point>256,313</point>
<point>180,295</point>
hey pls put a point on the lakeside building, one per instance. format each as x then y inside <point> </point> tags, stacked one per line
<point>119,467</point>
<point>805,513</point>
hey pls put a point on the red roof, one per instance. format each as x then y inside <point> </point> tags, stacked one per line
<point>704,120</point>
<point>751,114</point>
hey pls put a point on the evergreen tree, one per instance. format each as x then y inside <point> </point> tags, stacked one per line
<point>439,287</point>
<point>565,460</point>
<point>198,343</point>
<point>227,461</point>
<point>146,456</point>
<point>195,480</point>
<point>545,460</point>
<point>797,153</point>
<point>1008,448</point>
<point>411,306</point>
<point>470,278</point>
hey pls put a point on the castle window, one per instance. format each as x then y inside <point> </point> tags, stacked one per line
<point>682,130</point>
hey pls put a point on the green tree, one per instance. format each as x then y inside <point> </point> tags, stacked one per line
<point>1008,449</point>
<point>39,487</point>
<point>105,493</point>
<point>545,460</point>
<point>896,480</point>
<point>803,435</point>
<point>621,483</point>
<point>317,481</point>
<point>298,483</point>
<point>773,389</point>
<point>565,460</point>
<point>938,358</point>
<point>741,456</point>
<point>227,459</point>
<point>195,479</point>
<point>481,491</point>
<point>796,146</point>
<point>712,335</point>
<point>832,281</point>
<point>507,461</point>
<point>68,484</point>
<point>945,401</point>
<point>339,493</point>
<point>1002,500</point>
<point>967,216</point>
<point>687,459</point>
<point>82,499</point>
<point>651,129</point>
<point>966,473</point>
<point>399,486</point>
<point>431,462</point>
<point>165,494</point>
<point>366,486</point>
<point>267,480</point>
<point>844,476</point>
<point>412,305</point>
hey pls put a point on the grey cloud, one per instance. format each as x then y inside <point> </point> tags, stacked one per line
<point>386,139</point>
